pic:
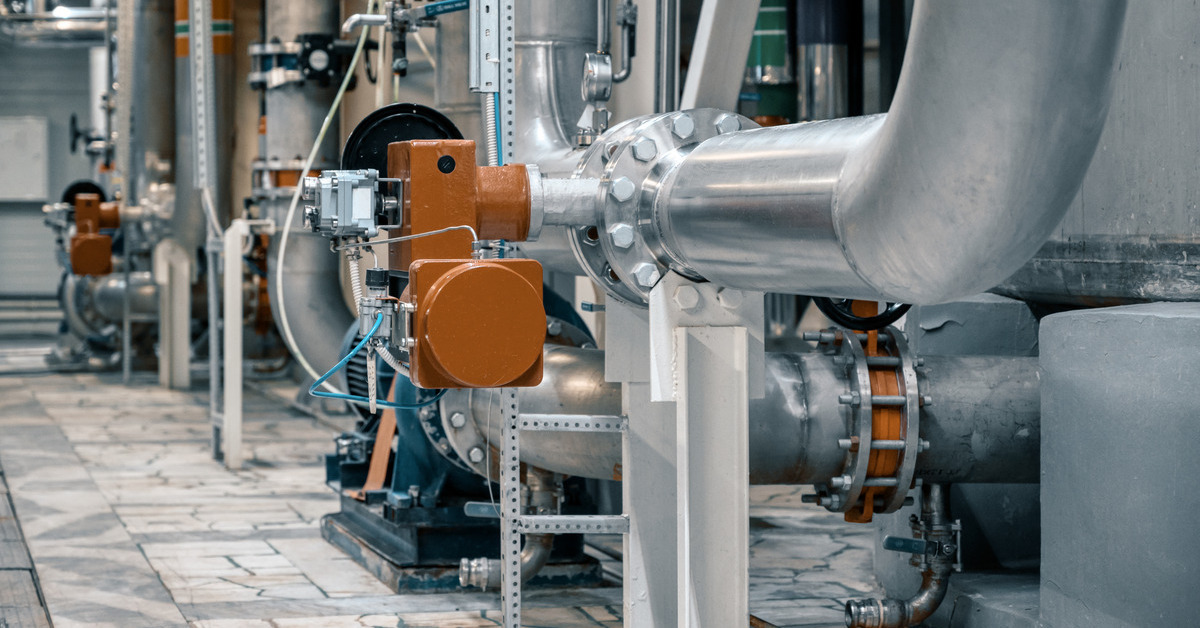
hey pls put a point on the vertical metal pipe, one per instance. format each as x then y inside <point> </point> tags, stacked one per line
<point>822,55</point>
<point>666,69</point>
<point>603,26</point>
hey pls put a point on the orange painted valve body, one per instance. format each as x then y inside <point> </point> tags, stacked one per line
<point>475,323</point>
<point>91,252</point>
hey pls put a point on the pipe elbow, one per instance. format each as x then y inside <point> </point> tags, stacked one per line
<point>896,613</point>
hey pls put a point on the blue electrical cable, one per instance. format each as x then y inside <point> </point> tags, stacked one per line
<point>446,6</point>
<point>312,390</point>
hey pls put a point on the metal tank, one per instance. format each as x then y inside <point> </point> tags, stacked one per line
<point>1119,547</point>
<point>295,111</point>
<point>1132,232</point>
<point>145,124</point>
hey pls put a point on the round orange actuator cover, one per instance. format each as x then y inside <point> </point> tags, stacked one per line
<point>484,324</point>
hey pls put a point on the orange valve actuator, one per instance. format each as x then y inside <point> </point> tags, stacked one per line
<point>477,324</point>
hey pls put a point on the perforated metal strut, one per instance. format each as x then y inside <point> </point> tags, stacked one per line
<point>513,522</point>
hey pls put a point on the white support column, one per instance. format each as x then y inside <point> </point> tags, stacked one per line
<point>706,346</point>
<point>648,485</point>
<point>718,62</point>
<point>231,428</point>
<point>647,477</point>
<point>712,410</point>
<point>173,274</point>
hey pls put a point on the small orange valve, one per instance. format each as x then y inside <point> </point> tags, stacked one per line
<point>475,323</point>
<point>91,252</point>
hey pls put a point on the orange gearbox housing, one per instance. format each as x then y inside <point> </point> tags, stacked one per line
<point>476,323</point>
<point>91,252</point>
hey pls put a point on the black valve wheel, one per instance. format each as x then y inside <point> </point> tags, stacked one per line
<point>838,311</point>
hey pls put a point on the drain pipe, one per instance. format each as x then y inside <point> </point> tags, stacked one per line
<point>545,491</point>
<point>935,577</point>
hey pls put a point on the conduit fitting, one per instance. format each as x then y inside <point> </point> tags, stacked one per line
<point>938,558</point>
<point>544,494</point>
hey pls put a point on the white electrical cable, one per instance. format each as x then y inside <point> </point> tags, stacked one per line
<point>425,50</point>
<point>291,213</point>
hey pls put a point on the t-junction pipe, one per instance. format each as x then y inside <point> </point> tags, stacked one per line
<point>995,120</point>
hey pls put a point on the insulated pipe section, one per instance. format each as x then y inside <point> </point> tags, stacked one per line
<point>983,423</point>
<point>560,202</point>
<point>993,125</point>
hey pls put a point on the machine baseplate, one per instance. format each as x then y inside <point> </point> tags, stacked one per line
<point>368,539</point>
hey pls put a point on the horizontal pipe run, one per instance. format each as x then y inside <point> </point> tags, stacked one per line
<point>984,428</point>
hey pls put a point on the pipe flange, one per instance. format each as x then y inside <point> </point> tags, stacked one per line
<point>459,440</point>
<point>844,492</point>
<point>585,240</point>
<point>911,421</point>
<point>623,252</point>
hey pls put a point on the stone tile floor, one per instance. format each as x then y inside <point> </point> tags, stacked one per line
<point>131,523</point>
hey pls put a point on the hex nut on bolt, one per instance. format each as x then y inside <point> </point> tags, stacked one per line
<point>683,126</point>
<point>687,297</point>
<point>621,234</point>
<point>730,299</point>
<point>458,420</point>
<point>728,123</point>
<point>475,455</point>
<point>646,274</point>
<point>644,149</point>
<point>622,189</point>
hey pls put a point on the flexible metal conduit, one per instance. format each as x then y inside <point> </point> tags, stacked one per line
<point>983,423</point>
<point>994,123</point>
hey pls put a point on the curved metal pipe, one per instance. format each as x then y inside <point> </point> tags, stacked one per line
<point>545,490</point>
<point>551,45</point>
<point>935,578</point>
<point>994,123</point>
<point>983,424</point>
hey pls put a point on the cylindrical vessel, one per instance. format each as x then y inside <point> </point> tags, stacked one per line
<point>295,112</point>
<point>188,224</point>
<point>145,124</point>
<point>1119,547</point>
<point>982,426</point>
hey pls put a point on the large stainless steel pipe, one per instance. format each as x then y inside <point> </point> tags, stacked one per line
<point>983,424</point>
<point>995,120</point>
<point>552,41</point>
